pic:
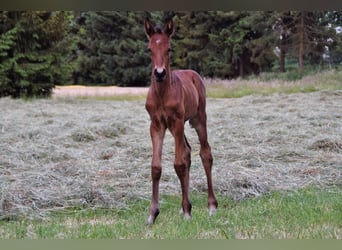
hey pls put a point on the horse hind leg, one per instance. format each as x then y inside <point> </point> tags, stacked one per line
<point>182,165</point>
<point>187,158</point>
<point>207,161</point>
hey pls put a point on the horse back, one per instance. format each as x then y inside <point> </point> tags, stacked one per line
<point>191,82</point>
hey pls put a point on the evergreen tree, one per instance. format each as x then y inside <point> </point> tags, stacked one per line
<point>40,48</point>
<point>7,42</point>
<point>281,24</point>
<point>221,54</point>
<point>260,41</point>
<point>131,56</point>
<point>237,39</point>
<point>32,52</point>
<point>190,40</point>
<point>114,49</point>
<point>334,53</point>
<point>302,36</point>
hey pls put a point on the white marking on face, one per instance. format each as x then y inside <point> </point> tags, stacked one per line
<point>158,41</point>
<point>159,69</point>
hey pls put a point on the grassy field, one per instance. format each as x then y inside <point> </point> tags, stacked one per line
<point>80,167</point>
<point>307,214</point>
<point>271,83</point>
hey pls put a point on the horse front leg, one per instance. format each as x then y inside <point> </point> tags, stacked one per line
<point>157,132</point>
<point>207,161</point>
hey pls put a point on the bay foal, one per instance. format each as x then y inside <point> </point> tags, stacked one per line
<point>175,97</point>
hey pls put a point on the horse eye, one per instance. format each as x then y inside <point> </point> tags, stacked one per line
<point>148,50</point>
<point>170,50</point>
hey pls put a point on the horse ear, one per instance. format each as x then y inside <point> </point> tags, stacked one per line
<point>169,28</point>
<point>149,30</point>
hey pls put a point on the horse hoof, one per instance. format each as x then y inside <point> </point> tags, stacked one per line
<point>187,216</point>
<point>212,211</point>
<point>150,220</point>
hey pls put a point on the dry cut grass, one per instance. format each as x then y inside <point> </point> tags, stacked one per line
<point>60,153</point>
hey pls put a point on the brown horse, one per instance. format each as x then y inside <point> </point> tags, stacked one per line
<point>175,97</point>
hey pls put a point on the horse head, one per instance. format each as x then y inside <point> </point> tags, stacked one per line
<point>159,46</point>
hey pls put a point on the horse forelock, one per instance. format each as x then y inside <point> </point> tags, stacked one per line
<point>158,30</point>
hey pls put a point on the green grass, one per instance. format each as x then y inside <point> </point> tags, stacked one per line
<point>310,213</point>
<point>220,91</point>
<point>281,83</point>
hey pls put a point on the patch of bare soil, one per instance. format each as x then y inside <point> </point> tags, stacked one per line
<point>89,91</point>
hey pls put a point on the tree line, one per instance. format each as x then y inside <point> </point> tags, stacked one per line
<point>39,49</point>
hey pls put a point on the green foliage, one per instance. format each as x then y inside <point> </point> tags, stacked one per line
<point>113,49</point>
<point>7,41</point>
<point>40,48</point>
<point>32,52</point>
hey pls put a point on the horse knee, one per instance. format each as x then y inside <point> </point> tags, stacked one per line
<point>180,168</point>
<point>206,156</point>
<point>156,172</point>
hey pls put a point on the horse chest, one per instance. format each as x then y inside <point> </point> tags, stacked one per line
<point>165,113</point>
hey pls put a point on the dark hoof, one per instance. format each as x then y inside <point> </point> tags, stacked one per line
<point>151,219</point>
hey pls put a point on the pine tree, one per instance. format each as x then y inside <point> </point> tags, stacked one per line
<point>302,36</point>
<point>334,53</point>
<point>236,39</point>
<point>281,24</point>
<point>260,41</point>
<point>114,49</point>
<point>134,62</point>
<point>32,61</point>
<point>7,42</point>
<point>190,40</point>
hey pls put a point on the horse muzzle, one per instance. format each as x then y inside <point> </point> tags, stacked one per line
<point>160,74</point>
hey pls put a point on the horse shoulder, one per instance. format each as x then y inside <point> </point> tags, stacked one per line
<point>151,104</point>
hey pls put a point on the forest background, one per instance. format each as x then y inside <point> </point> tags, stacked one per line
<point>41,49</point>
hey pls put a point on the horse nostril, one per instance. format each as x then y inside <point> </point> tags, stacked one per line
<point>160,74</point>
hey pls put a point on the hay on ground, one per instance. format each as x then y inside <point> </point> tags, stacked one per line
<point>61,153</point>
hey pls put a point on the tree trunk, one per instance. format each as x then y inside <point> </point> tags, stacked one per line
<point>282,59</point>
<point>301,41</point>
<point>241,70</point>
